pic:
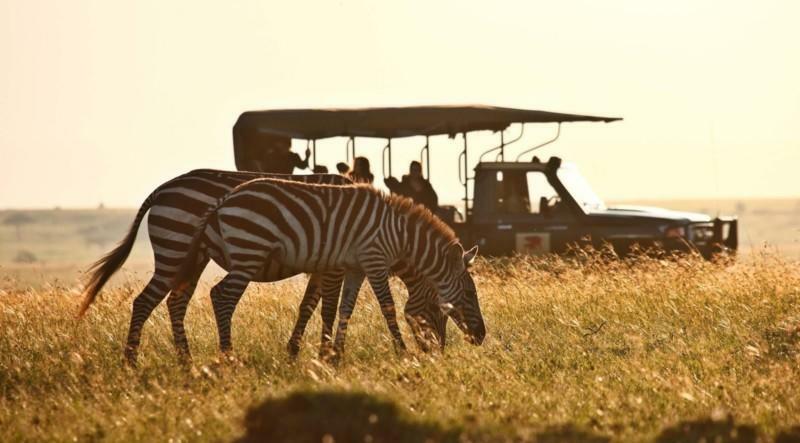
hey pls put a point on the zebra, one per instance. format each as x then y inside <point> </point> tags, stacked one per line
<point>176,208</point>
<point>316,228</point>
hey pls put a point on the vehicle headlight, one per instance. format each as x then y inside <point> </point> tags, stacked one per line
<point>702,233</point>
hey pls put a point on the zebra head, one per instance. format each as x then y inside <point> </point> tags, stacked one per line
<point>459,298</point>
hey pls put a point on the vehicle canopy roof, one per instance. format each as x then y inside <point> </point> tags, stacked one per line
<point>314,124</point>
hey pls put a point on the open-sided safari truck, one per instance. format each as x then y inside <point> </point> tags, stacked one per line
<point>523,205</point>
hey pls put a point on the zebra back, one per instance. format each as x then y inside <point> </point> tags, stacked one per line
<point>209,182</point>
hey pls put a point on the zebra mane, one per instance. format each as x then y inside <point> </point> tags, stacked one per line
<point>417,212</point>
<point>403,205</point>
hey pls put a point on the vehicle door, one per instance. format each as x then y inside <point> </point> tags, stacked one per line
<point>528,216</point>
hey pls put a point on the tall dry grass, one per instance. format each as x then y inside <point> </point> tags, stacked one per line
<point>576,351</point>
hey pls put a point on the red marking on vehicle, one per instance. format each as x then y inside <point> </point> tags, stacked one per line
<point>533,242</point>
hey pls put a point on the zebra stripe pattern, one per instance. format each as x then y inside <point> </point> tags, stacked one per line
<point>318,228</point>
<point>176,209</point>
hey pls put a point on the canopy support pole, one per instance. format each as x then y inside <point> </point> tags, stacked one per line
<point>501,156</point>
<point>425,157</point>
<point>386,148</point>
<point>527,151</point>
<point>350,150</point>
<point>502,146</point>
<point>465,180</point>
<point>313,144</point>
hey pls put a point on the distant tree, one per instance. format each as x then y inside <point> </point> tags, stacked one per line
<point>17,220</point>
<point>25,256</point>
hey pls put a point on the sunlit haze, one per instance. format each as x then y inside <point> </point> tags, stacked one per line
<point>103,101</point>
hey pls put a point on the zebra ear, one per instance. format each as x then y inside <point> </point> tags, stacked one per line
<point>470,255</point>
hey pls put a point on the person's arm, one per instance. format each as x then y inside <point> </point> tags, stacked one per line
<point>297,162</point>
<point>392,184</point>
<point>405,188</point>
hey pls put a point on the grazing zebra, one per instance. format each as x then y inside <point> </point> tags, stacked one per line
<point>318,228</point>
<point>176,208</point>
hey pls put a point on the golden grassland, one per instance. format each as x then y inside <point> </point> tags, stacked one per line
<point>638,350</point>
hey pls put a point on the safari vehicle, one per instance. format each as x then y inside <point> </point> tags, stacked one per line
<point>526,206</point>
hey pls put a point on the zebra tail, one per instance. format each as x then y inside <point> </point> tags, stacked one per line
<point>102,270</point>
<point>186,270</point>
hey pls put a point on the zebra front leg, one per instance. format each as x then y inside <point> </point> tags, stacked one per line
<point>379,280</point>
<point>143,306</point>
<point>419,330</point>
<point>428,324</point>
<point>380,286</point>
<point>422,311</point>
<point>225,296</point>
<point>306,310</point>
<point>177,302</point>
<point>330,289</point>
<point>350,289</point>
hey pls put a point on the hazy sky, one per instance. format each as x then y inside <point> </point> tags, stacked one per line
<point>101,101</point>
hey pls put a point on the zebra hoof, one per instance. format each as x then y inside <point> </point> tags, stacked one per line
<point>424,345</point>
<point>331,356</point>
<point>293,348</point>
<point>185,359</point>
<point>400,348</point>
<point>131,357</point>
<point>334,359</point>
<point>229,358</point>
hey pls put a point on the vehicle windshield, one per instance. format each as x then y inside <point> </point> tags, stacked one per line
<point>579,188</point>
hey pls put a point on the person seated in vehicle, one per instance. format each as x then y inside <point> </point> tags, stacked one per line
<point>343,168</point>
<point>272,154</point>
<point>360,173</point>
<point>515,194</point>
<point>415,186</point>
<point>516,203</point>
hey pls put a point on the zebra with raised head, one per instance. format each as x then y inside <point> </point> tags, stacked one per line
<point>318,228</point>
<point>176,209</point>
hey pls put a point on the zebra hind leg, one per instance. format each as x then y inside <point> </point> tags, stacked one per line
<point>307,306</point>
<point>177,302</point>
<point>225,295</point>
<point>143,306</point>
